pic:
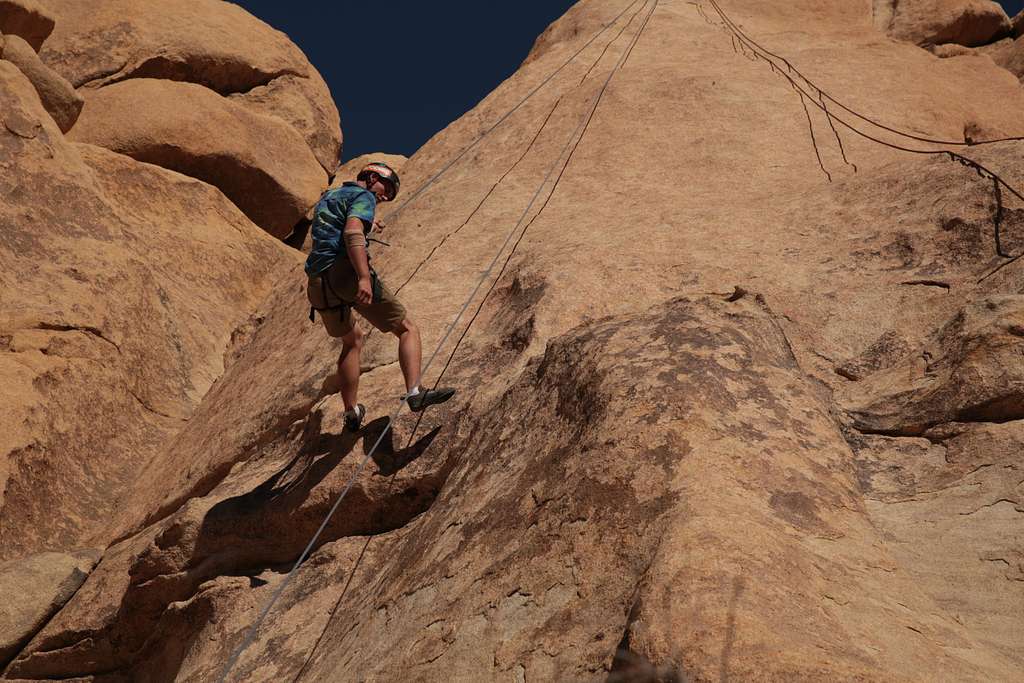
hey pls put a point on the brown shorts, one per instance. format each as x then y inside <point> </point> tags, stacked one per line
<point>338,285</point>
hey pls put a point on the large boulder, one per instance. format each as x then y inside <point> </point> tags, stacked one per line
<point>57,95</point>
<point>27,19</point>
<point>212,43</point>
<point>121,285</point>
<point>306,103</point>
<point>934,22</point>
<point>258,161</point>
<point>34,588</point>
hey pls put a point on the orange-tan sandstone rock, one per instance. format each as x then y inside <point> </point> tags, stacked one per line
<point>644,464</point>
<point>933,22</point>
<point>122,283</point>
<point>257,161</point>
<point>58,96</point>
<point>34,589</point>
<point>214,44</point>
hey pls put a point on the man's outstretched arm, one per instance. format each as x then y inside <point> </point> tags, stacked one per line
<point>355,246</point>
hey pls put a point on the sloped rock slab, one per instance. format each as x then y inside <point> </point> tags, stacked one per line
<point>34,588</point>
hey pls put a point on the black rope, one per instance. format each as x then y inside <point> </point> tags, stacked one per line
<point>936,141</point>
<point>979,168</point>
<point>998,220</point>
<point>473,213</point>
<point>814,140</point>
<point>839,140</point>
<point>423,188</point>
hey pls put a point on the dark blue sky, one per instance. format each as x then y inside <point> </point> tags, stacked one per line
<point>1012,6</point>
<point>400,71</point>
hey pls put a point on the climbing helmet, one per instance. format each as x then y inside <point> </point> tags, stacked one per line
<point>387,174</point>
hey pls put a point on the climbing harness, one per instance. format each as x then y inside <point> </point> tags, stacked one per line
<point>580,129</point>
<point>343,305</point>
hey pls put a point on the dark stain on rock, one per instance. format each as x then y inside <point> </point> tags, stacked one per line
<point>796,508</point>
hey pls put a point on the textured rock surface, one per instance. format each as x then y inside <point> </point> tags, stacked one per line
<point>121,284</point>
<point>257,161</point>
<point>27,19</point>
<point>212,43</point>
<point>58,96</point>
<point>932,22</point>
<point>34,588</point>
<point>973,371</point>
<point>643,464</point>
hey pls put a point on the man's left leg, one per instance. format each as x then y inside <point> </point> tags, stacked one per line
<point>410,352</point>
<point>388,314</point>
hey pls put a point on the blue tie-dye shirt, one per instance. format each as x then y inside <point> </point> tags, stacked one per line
<point>329,216</point>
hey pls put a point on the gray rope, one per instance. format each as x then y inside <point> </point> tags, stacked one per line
<point>423,188</point>
<point>251,635</point>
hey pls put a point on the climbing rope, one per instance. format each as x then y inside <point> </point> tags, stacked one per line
<point>529,147</point>
<point>791,74</point>
<point>253,629</point>
<point>423,188</point>
<point>547,200</point>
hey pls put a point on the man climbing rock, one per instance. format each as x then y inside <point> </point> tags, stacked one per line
<point>340,279</point>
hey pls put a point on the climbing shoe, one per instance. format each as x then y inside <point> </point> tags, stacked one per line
<point>354,418</point>
<point>429,397</point>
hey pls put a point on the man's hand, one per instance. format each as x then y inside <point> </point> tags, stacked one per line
<point>379,225</point>
<point>364,294</point>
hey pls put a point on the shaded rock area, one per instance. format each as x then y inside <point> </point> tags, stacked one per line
<point>34,589</point>
<point>27,19</point>
<point>759,420</point>
<point>933,22</point>
<point>58,96</point>
<point>187,128</point>
<point>1007,53</point>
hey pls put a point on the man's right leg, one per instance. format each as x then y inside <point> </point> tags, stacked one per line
<point>348,366</point>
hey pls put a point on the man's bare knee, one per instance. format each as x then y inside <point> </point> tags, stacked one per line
<point>354,338</point>
<point>405,326</point>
